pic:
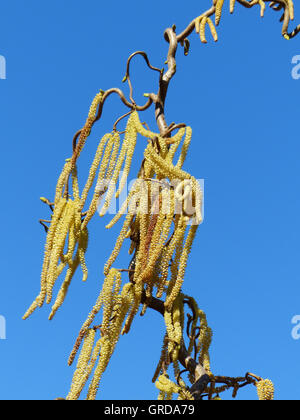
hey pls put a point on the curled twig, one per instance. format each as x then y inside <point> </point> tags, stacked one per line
<point>127,75</point>
<point>173,127</point>
<point>79,136</point>
<point>120,119</point>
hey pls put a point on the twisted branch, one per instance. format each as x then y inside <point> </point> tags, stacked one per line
<point>202,379</point>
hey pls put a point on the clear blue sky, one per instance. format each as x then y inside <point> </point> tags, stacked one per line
<point>243,105</point>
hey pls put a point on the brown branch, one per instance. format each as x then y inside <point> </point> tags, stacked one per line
<point>120,119</point>
<point>127,75</point>
<point>81,135</point>
<point>198,372</point>
<point>173,40</point>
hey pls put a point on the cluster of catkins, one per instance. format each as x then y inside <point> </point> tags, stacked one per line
<point>162,212</point>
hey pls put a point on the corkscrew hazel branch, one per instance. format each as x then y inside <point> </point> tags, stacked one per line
<point>127,75</point>
<point>153,251</point>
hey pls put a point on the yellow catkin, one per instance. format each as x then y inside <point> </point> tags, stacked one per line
<point>86,325</point>
<point>94,167</point>
<point>204,341</point>
<point>140,128</point>
<point>291,9</point>
<point>72,241</point>
<point>218,13</point>
<point>265,390</point>
<point>170,332</point>
<point>146,237</point>
<point>112,281</point>
<point>177,323</point>
<point>212,29</point>
<point>56,217</point>
<point>76,194</point>
<point>177,238</point>
<point>185,147</point>
<point>124,307</point>
<point>130,139</point>
<point>198,197</point>
<point>82,364</point>
<point>58,245</point>
<point>162,146</point>
<point>206,346</point>
<point>95,104</point>
<point>104,357</point>
<point>82,247</point>
<point>118,244</point>
<point>164,167</point>
<point>174,267</point>
<point>62,180</point>
<point>202,29</point>
<point>133,192</point>
<point>136,300</point>
<point>111,337</point>
<point>232,4</point>
<point>75,235</point>
<point>165,385</point>
<point>172,294</point>
<point>176,140</point>
<point>32,307</point>
<point>114,178</point>
<point>143,220</point>
<point>74,395</point>
<point>86,130</point>
<point>64,287</point>
<point>38,302</point>
<point>105,296</point>
<point>159,238</point>
<point>113,159</point>
<point>151,239</point>
<point>197,24</point>
<point>151,135</point>
<point>173,321</point>
<point>104,179</point>
<point>183,190</point>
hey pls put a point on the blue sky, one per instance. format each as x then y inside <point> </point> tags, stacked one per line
<point>243,105</point>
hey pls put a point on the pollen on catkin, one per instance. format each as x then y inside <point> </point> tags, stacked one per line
<point>265,390</point>
<point>94,167</point>
<point>232,5</point>
<point>174,290</point>
<point>168,387</point>
<point>82,364</point>
<point>218,14</point>
<point>202,27</point>
<point>156,232</point>
<point>291,9</point>
<point>212,29</point>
